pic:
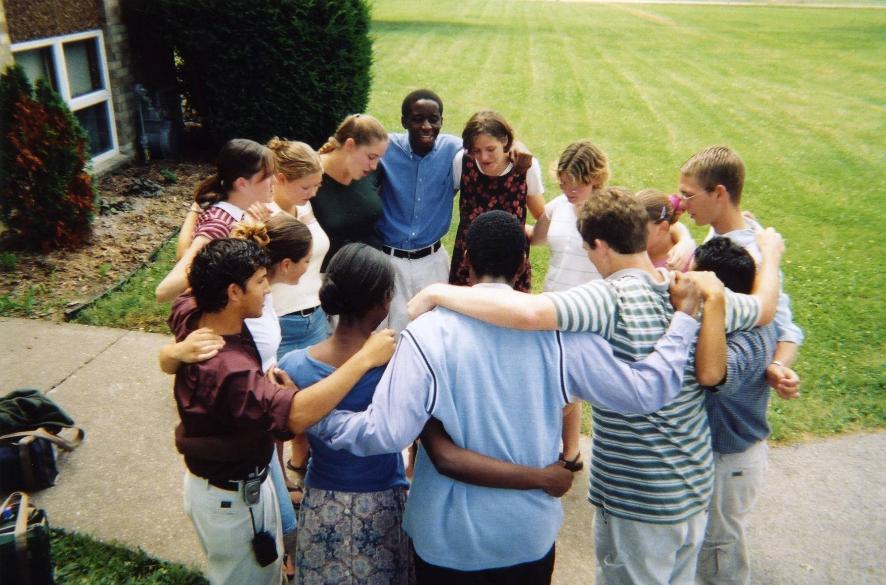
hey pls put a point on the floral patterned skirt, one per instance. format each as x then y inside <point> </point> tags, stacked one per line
<point>350,538</point>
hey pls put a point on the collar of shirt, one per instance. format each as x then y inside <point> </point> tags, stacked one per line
<point>231,209</point>
<point>417,192</point>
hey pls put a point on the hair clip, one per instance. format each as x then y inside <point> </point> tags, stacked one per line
<point>676,202</point>
<point>664,213</point>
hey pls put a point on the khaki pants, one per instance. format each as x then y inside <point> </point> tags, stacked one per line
<point>223,524</point>
<point>411,277</point>
<point>737,479</point>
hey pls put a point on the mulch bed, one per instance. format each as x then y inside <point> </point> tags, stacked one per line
<point>140,207</point>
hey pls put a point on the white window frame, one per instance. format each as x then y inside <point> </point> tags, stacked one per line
<point>64,89</point>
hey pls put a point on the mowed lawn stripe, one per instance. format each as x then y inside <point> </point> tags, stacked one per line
<point>800,93</point>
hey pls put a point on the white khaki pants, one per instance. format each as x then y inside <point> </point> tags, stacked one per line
<point>642,553</point>
<point>221,519</point>
<point>737,479</point>
<point>411,277</point>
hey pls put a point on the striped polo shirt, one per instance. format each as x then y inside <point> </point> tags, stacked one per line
<point>217,221</point>
<point>657,467</point>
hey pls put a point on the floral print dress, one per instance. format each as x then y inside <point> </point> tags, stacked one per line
<point>479,193</point>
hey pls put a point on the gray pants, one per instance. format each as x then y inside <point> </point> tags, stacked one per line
<point>642,553</point>
<point>737,479</point>
<point>411,277</point>
<point>221,519</point>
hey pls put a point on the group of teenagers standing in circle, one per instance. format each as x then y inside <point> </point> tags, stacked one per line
<point>297,269</point>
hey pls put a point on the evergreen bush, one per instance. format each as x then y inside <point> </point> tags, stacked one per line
<point>259,68</point>
<point>47,199</point>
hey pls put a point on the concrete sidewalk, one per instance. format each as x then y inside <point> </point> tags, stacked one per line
<point>819,520</point>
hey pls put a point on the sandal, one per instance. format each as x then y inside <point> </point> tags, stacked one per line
<point>299,470</point>
<point>296,489</point>
<point>288,567</point>
<point>573,465</point>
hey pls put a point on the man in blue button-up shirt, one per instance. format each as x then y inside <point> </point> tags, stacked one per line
<point>417,193</point>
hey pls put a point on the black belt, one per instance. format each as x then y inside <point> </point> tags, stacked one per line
<point>234,485</point>
<point>412,254</point>
<point>303,312</point>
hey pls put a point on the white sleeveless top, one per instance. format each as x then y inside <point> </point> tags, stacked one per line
<point>305,294</point>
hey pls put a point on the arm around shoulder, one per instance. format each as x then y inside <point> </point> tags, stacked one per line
<point>176,282</point>
<point>504,308</point>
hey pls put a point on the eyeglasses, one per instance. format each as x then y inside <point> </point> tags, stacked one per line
<point>685,198</point>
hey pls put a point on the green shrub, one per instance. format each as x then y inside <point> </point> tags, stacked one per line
<point>258,68</point>
<point>48,198</point>
<point>169,176</point>
<point>8,261</point>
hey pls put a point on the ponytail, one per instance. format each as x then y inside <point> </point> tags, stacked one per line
<point>660,207</point>
<point>363,129</point>
<point>282,236</point>
<point>252,231</point>
<point>293,159</point>
<point>238,157</point>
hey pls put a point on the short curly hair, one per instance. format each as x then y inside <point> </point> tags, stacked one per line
<point>418,95</point>
<point>219,264</point>
<point>496,245</point>
<point>730,262</point>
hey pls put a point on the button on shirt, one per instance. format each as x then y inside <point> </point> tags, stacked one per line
<point>417,192</point>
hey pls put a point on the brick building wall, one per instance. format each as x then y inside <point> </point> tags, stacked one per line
<point>5,41</point>
<point>117,49</point>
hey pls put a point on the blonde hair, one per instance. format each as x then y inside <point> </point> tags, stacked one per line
<point>363,129</point>
<point>584,163</point>
<point>282,236</point>
<point>717,165</point>
<point>294,159</point>
<point>659,206</point>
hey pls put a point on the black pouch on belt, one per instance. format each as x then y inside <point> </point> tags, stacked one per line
<point>263,545</point>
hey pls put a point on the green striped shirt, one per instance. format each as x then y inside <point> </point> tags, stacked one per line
<point>656,467</point>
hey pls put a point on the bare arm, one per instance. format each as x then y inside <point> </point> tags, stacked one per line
<point>710,353</point>
<point>767,284</point>
<point>539,233</point>
<point>505,308</point>
<point>471,467</point>
<point>186,232</point>
<point>176,282</point>
<point>318,400</point>
<point>536,205</point>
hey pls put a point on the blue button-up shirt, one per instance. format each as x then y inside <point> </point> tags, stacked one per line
<point>417,192</point>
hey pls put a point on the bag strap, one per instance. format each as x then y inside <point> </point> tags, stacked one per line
<point>21,533</point>
<point>24,458</point>
<point>42,433</point>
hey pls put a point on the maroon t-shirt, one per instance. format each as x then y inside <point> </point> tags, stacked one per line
<point>228,399</point>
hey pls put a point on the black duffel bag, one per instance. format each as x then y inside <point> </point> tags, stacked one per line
<point>29,426</point>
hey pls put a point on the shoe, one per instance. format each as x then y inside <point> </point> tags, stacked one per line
<point>574,465</point>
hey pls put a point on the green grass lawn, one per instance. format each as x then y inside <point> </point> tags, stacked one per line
<point>799,92</point>
<point>81,560</point>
